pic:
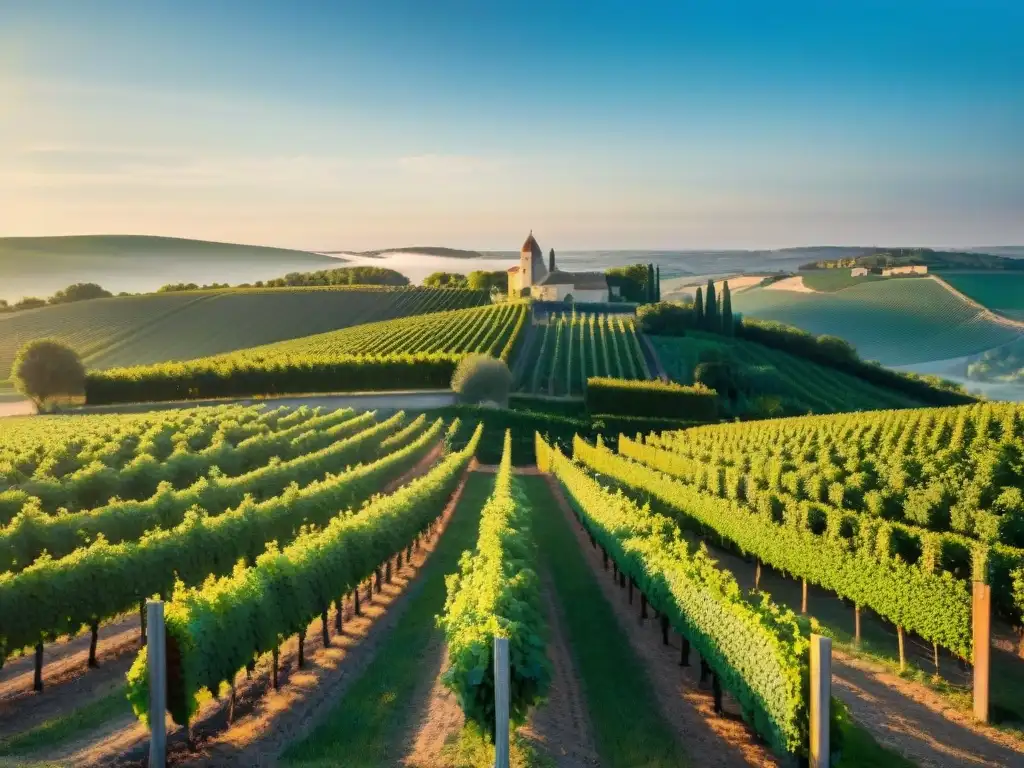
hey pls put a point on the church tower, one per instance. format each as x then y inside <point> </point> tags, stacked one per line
<point>531,263</point>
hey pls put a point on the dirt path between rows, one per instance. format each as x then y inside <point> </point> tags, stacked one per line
<point>560,728</point>
<point>688,706</point>
<point>908,718</point>
<point>441,718</point>
<point>68,683</point>
<point>901,714</point>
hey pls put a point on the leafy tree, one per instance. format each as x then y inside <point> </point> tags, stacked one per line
<point>342,276</point>
<point>45,369</point>
<point>698,309</point>
<point>727,325</point>
<point>482,378</point>
<point>665,318</point>
<point>631,282</point>
<point>711,319</point>
<point>481,280</point>
<point>445,280</point>
<point>80,292</point>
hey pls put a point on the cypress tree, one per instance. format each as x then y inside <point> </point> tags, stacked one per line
<point>551,261</point>
<point>711,319</point>
<point>727,328</point>
<point>657,283</point>
<point>698,309</point>
<point>650,283</point>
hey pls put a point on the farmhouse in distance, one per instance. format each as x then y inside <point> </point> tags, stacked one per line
<point>532,278</point>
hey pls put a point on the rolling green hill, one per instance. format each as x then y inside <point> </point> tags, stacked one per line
<point>39,266</point>
<point>1001,292</point>
<point>897,321</point>
<point>138,330</point>
<point>798,386</point>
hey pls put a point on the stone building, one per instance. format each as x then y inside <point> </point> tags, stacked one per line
<point>546,282</point>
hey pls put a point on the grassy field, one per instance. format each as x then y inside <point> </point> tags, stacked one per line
<point>39,266</point>
<point>138,330</point>
<point>802,386</point>
<point>1001,292</point>
<point>895,321</point>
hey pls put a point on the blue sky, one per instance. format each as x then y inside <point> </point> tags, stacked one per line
<point>599,124</point>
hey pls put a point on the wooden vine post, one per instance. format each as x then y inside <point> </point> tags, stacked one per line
<point>156,663</point>
<point>821,700</point>
<point>501,702</point>
<point>982,619</point>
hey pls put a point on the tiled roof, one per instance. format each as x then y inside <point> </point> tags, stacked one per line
<point>590,281</point>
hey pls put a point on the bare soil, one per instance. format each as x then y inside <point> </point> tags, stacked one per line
<point>441,718</point>
<point>560,728</point>
<point>688,705</point>
<point>794,284</point>
<point>68,683</point>
<point>911,719</point>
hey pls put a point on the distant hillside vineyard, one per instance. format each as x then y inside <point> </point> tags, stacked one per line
<point>140,330</point>
<point>896,321</point>
<point>775,383</point>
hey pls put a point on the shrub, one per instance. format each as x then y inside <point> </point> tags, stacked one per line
<point>30,302</point>
<point>481,377</point>
<point>719,375</point>
<point>45,369</point>
<point>665,319</point>
<point>651,398</point>
<point>80,292</point>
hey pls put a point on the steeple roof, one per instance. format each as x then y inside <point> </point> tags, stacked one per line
<point>530,246</point>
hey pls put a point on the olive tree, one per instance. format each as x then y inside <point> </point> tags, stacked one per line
<point>45,369</point>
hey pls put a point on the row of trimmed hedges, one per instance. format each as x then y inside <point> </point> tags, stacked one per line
<point>661,399</point>
<point>241,377</point>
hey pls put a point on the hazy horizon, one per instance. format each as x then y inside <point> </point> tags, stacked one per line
<point>663,126</point>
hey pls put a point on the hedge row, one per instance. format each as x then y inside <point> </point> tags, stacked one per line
<point>651,398</point>
<point>496,593</point>
<point>217,629</point>
<point>758,650</point>
<point>240,377</point>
